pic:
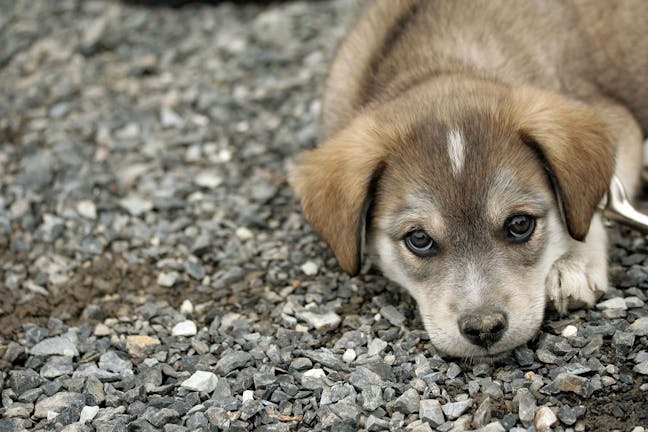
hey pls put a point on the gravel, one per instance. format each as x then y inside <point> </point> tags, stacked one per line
<point>156,272</point>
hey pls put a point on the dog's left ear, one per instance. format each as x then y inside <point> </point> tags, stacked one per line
<point>576,146</point>
<point>333,183</point>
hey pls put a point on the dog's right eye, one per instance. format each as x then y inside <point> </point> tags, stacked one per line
<point>420,243</point>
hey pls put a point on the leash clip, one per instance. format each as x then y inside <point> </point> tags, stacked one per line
<point>616,206</point>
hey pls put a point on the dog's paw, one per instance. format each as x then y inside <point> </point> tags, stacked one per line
<point>573,283</point>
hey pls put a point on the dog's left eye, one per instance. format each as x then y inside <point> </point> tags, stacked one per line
<point>518,228</point>
<point>420,243</point>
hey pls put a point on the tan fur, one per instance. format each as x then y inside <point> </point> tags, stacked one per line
<point>576,144</point>
<point>336,179</point>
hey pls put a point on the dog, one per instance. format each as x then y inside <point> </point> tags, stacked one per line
<point>467,146</point>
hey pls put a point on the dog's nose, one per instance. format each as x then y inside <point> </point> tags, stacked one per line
<point>483,329</point>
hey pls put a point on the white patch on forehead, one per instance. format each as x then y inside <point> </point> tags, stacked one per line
<point>456,151</point>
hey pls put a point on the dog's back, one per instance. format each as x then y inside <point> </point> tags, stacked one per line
<point>588,49</point>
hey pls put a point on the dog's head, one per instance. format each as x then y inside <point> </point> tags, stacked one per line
<point>466,193</point>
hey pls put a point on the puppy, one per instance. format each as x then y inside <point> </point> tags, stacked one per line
<point>468,144</point>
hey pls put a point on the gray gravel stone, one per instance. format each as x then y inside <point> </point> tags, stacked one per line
<point>569,415</point>
<point>393,315</point>
<point>233,360</point>
<point>372,397</point>
<point>430,411</point>
<point>57,366</point>
<point>407,403</point>
<point>21,381</point>
<point>453,410</point>
<point>640,327</point>
<point>58,403</point>
<point>55,346</point>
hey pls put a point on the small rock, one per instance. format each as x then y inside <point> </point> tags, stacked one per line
<point>375,424</point>
<point>184,328</point>
<point>633,302</point>
<point>23,380</point>
<point>524,356</point>
<point>349,355</point>
<point>613,303</point>
<point>453,410</point>
<point>376,346</point>
<point>135,205</point>
<point>101,330</point>
<point>201,381</point>
<point>430,411</point>
<point>301,363</point>
<point>372,397</point>
<point>186,307</point>
<point>208,180</point>
<point>55,346</point>
<point>310,268</point>
<point>169,118</point>
<point>493,427</point>
<point>167,279</point>
<point>244,234</point>
<point>544,419</point>
<point>233,360</point>
<point>87,209</point>
<point>569,332</point>
<point>393,315</point>
<point>640,327</point>
<point>641,368</point>
<point>483,414</point>
<point>526,406</point>
<point>248,395</point>
<point>566,382</point>
<point>329,320</point>
<point>407,403</point>
<point>314,378</point>
<point>58,403</point>
<point>112,362</point>
<point>569,415</point>
<point>57,366</point>
<point>140,345</point>
<point>88,413</point>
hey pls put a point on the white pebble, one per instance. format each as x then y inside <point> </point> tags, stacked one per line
<point>544,419</point>
<point>248,395</point>
<point>201,381</point>
<point>208,180</point>
<point>348,356</point>
<point>315,373</point>
<point>569,332</point>
<point>167,279</point>
<point>87,209</point>
<point>170,118</point>
<point>184,328</point>
<point>244,233</point>
<point>101,330</point>
<point>310,268</point>
<point>186,307</point>
<point>88,413</point>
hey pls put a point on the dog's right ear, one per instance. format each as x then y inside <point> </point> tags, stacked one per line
<point>333,184</point>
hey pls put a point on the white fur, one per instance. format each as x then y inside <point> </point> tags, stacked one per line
<point>579,277</point>
<point>456,151</point>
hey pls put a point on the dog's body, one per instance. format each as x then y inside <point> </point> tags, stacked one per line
<point>472,140</point>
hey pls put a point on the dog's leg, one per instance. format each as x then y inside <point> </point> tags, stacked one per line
<point>580,276</point>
